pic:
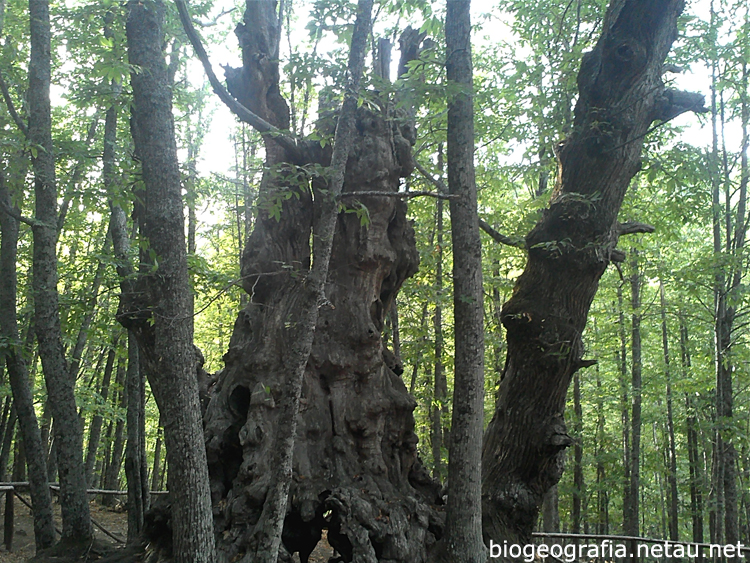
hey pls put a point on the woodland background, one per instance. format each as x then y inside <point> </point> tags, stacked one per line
<point>648,422</point>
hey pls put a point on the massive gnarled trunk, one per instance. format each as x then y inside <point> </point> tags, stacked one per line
<point>355,470</point>
<point>621,95</point>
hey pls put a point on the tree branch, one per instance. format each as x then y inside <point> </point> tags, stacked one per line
<point>516,242</point>
<point>289,144</point>
<point>405,195</point>
<point>11,108</point>
<point>437,182</point>
<point>676,102</point>
<point>16,214</point>
<point>632,228</point>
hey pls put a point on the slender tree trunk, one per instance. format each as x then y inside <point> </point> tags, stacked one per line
<point>95,428</point>
<point>726,287</point>
<point>672,461</point>
<point>44,531</point>
<point>167,343</point>
<point>67,427</point>
<point>440,389</point>
<point>6,405</point>
<point>135,450</point>
<point>83,331</point>
<point>694,457</point>
<point>551,511</point>
<point>578,485</point>
<point>7,444</point>
<point>462,541</point>
<point>112,474</point>
<point>156,471</point>
<point>633,527</point>
<point>624,408</point>
<point>602,493</point>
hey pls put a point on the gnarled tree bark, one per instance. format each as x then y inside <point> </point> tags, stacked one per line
<point>354,469</point>
<point>621,95</point>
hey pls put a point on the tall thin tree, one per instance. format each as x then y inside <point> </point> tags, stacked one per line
<point>60,388</point>
<point>462,542</point>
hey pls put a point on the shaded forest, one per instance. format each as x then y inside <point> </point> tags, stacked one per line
<point>201,301</point>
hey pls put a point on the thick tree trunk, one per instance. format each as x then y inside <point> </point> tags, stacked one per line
<point>44,531</point>
<point>67,426</point>
<point>462,541</point>
<point>354,468</point>
<point>620,95</point>
<point>166,336</point>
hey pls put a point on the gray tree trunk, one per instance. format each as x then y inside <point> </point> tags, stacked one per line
<point>136,470</point>
<point>44,531</point>
<point>166,336</point>
<point>632,525</point>
<point>440,389</point>
<point>672,459</point>
<point>95,428</point>
<point>462,540</point>
<point>60,388</point>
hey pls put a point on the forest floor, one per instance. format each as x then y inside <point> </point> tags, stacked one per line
<point>114,521</point>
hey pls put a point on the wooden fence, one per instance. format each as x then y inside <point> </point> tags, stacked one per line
<point>12,490</point>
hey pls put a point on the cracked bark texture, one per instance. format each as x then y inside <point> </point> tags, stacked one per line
<point>355,469</point>
<point>158,309</point>
<point>60,387</point>
<point>621,95</point>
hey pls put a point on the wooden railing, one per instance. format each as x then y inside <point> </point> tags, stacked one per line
<point>13,489</point>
